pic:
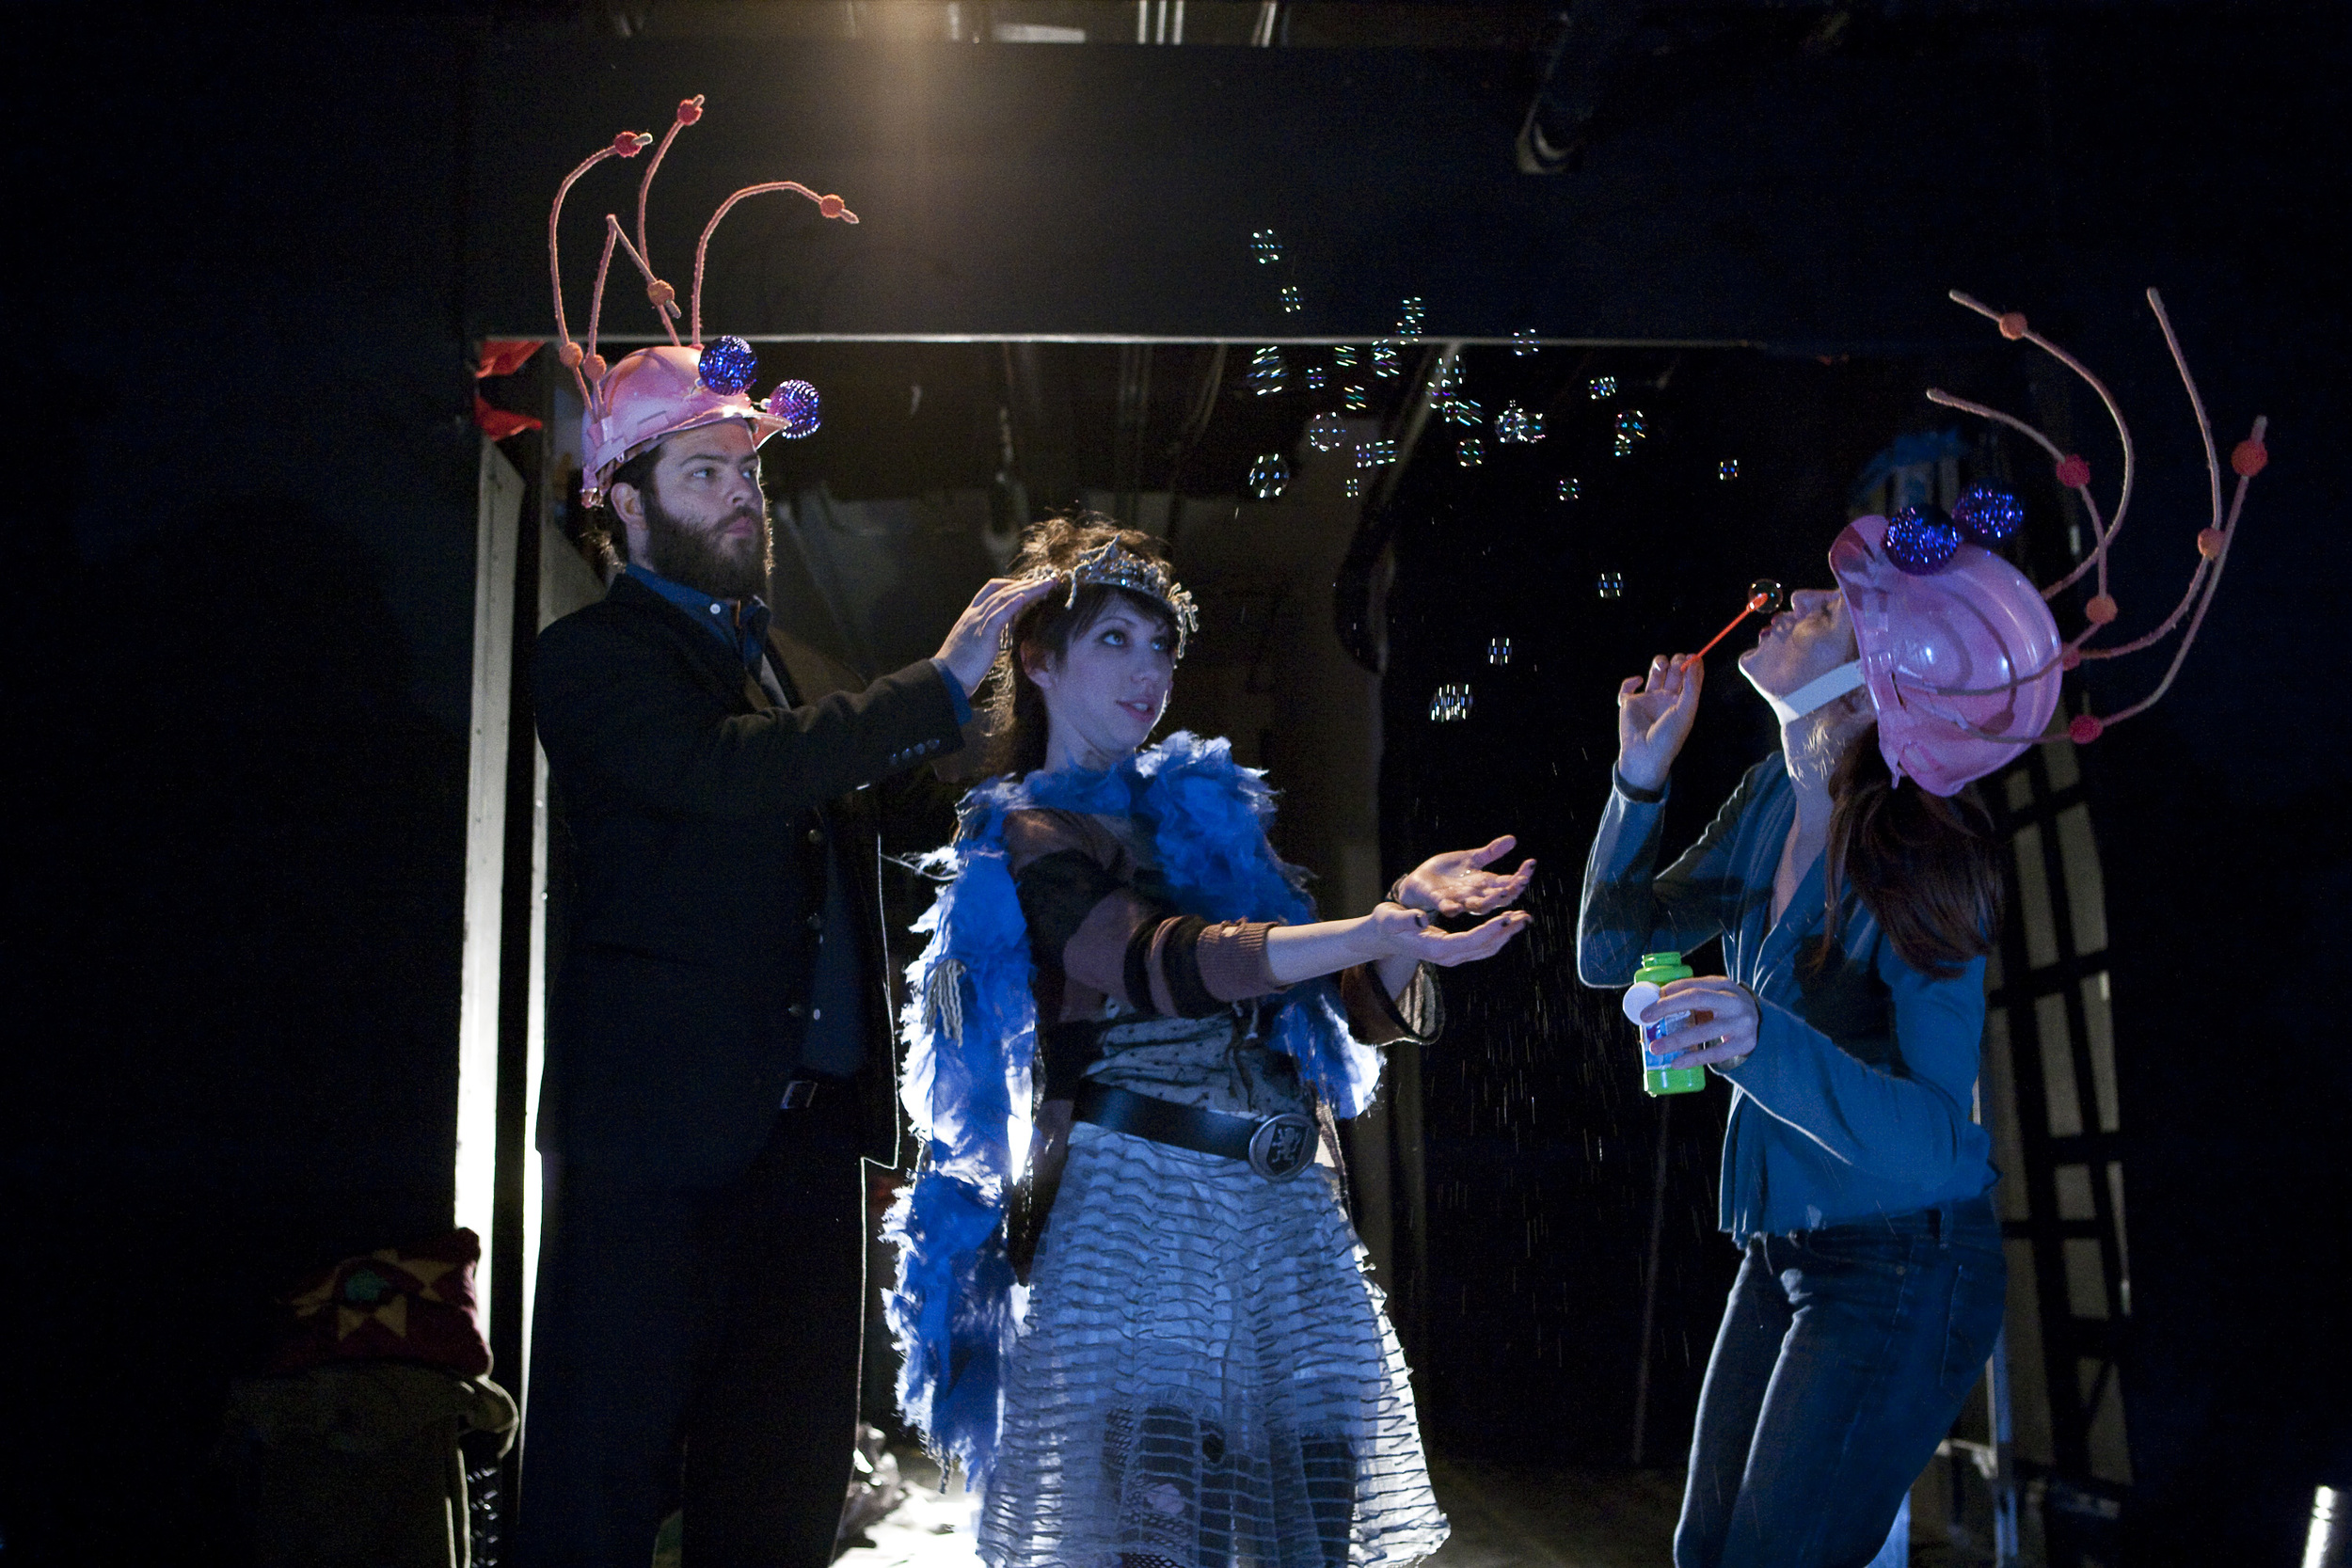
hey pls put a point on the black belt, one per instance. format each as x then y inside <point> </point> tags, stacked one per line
<point>1278,1147</point>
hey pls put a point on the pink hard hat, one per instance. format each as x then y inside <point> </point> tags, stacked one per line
<point>1962,663</point>
<point>655,393</point>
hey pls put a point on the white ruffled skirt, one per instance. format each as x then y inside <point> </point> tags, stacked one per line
<point>1205,1378</point>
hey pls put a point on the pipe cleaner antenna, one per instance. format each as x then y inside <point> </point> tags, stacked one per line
<point>665,297</point>
<point>627,145</point>
<point>829,206</point>
<point>2246,459</point>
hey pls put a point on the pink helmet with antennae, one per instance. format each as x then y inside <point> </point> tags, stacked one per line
<point>1960,652</point>
<point>1961,663</point>
<point>657,393</point>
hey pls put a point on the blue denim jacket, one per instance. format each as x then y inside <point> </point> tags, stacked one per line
<point>1857,1100</point>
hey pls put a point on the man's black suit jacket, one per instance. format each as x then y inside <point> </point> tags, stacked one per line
<point>699,823</point>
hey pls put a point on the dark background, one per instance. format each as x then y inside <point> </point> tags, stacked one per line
<point>255,251</point>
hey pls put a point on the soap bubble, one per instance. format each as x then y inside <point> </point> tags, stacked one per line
<point>1375,454</point>
<point>1265,246</point>
<point>1612,585</point>
<point>1524,343</point>
<point>1267,373</point>
<point>1602,387</point>
<point>1728,469</point>
<point>1518,426</point>
<point>1355,486</point>
<point>1463,411</point>
<point>1326,431</point>
<point>1633,426</point>
<point>1268,476</point>
<point>1472,453</point>
<point>1498,650</point>
<point>1314,379</point>
<point>1408,316</point>
<point>1383,359</point>
<point>1774,597</point>
<point>1450,704</point>
<point>1290,299</point>
<point>1571,490</point>
<point>1344,355</point>
<point>1354,397</point>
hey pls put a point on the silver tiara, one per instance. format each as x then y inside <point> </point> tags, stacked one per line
<point>1114,565</point>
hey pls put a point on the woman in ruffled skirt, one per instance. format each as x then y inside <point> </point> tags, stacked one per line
<point>1203,1375</point>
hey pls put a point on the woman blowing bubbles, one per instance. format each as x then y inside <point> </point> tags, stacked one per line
<point>1856,907</point>
<point>1203,1375</point>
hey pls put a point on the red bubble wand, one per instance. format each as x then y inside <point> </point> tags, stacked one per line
<point>1763,598</point>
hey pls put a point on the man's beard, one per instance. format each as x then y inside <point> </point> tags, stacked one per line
<point>709,562</point>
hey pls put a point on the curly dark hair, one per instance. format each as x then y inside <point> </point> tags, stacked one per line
<point>1013,707</point>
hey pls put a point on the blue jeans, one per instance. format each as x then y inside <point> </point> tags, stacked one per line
<point>1844,1355</point>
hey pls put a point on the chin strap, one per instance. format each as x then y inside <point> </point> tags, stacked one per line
<point>1815,693</point>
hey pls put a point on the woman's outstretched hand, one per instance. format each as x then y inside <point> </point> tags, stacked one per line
<point>1458,882</point>
<point>1654,714</point>
<point>1397,932</point>
<point>1721,1026</point>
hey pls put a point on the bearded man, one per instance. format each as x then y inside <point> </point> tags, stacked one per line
<point>719,1056</point>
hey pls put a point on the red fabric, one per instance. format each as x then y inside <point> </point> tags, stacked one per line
<point>401,1303</point>
<point>506,355</point>
<point>500,423</point>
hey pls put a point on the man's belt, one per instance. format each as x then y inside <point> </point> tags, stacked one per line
<point>1276,1148</point>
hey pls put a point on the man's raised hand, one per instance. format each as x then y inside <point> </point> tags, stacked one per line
<point>972,642</point>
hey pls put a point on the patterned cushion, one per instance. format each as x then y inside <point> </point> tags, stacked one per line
<point>405,1304</point>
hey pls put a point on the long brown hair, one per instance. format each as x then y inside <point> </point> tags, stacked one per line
<point>1015,709</point>
<point>1927,867</point>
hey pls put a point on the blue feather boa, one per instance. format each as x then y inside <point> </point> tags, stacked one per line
<point>971,1032</point>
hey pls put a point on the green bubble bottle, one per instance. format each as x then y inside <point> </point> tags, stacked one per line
<point>1655,971</point>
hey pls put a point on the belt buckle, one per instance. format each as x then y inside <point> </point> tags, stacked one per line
<point>1282,1146</point>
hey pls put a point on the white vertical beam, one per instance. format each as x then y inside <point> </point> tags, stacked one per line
<point>565,584</point>
<point>495,536</point>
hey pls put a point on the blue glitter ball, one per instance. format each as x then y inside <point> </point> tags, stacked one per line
<point>1920,539</point>
<point>795,403</point>
<point>1986,516</point>
<point>727,366</point>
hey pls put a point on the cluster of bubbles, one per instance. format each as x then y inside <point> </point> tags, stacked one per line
<point>1632,429</point>
<point>1498,650</point>
<point>1450,704</point>
<point>1410,315</point>
<point>1612,585</point>
<point>1729,468</point>
<point>1383,359</point>
<point>1267,373</point>
<point>1602,387</point>
<point>1516,426</point>
<point>1270,476</point>
<point>1471,452</point>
